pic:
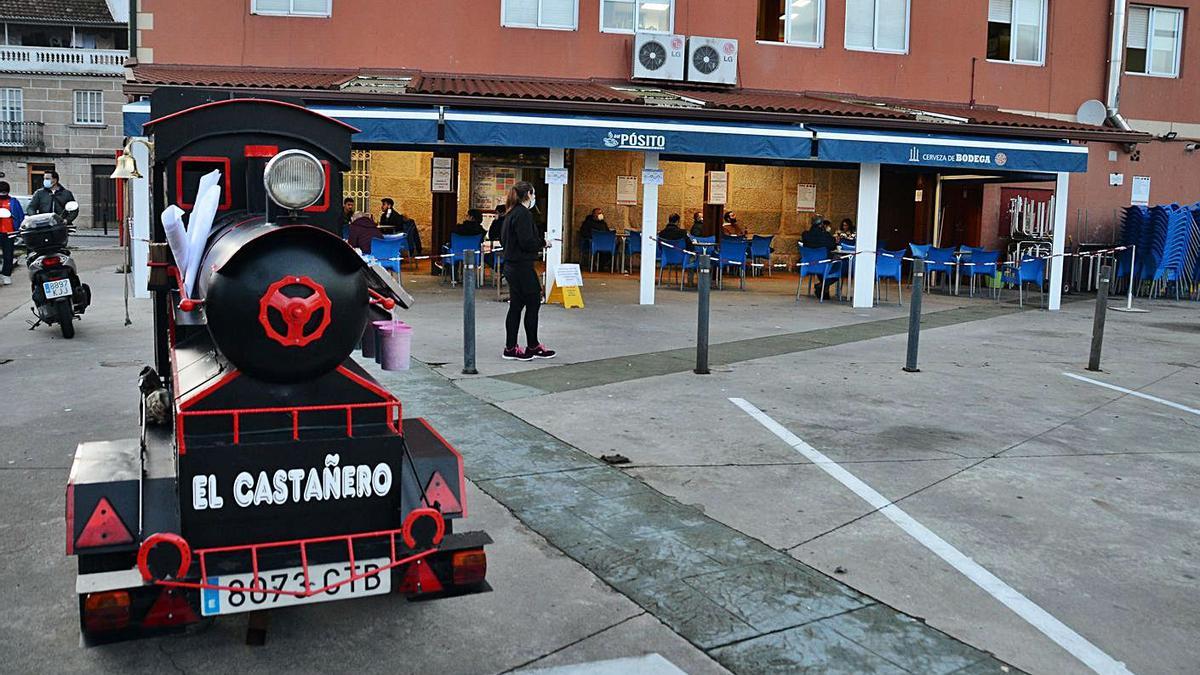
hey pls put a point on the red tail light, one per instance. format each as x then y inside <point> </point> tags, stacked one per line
<point>51,261</point>
<point>470,567</point>
<point>106,611</point>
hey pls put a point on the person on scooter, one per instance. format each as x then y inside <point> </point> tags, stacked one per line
<point>53,197</point>
<point>8,225</point>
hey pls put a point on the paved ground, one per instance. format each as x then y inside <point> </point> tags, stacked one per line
<point>721,544</point>
<point>547,610</point>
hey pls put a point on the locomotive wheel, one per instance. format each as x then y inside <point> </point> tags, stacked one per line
<point>66,317</point>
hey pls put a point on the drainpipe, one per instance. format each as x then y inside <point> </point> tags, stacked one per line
<point>1116,63</point>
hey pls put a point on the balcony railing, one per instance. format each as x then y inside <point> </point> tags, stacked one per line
<point>22,135</point>
<point>57,60</point>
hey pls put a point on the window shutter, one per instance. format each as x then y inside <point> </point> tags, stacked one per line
<point>891,17</point>
<point>1000,11</point>
<point>310,6</point>
<point>558,13</point>
<point>521,12</point>
<point>860,23</point>
<point>1139,27</point>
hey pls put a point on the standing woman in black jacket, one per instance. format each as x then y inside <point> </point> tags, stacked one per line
<point>523,243</point>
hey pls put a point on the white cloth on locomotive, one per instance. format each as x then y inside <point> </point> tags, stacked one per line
<point>172,221</point>
<point>208,197</point>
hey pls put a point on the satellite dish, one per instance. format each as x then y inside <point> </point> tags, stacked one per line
<point>1091,112</point>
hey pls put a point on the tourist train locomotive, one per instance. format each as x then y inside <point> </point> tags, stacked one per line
<point>270,469</point>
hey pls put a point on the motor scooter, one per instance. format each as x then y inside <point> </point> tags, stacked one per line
<point>58,295</point>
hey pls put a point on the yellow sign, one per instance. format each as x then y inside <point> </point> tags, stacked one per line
<point>567,296</point>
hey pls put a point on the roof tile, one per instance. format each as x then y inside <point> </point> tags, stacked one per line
<point>549,90</point>
<point>266,78</point>
<point>57,11</point>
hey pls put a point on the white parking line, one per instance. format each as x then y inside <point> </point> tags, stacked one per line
<point>1078,646</point>
<point>1123,390</point>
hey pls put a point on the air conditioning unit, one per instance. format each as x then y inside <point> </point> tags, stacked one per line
<point>712,60</point>
<point>658,57</point>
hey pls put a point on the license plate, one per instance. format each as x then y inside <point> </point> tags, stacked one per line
<point>254,598</point>
<point>56,289</point>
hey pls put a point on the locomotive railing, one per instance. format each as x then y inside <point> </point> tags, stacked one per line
<point>302,545</point>
<point>393,409</point>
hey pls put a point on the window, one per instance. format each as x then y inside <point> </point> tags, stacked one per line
<point>560,14</point>
<point>89,107</point>
<point>12,113</point>
<point>1017,31</point>
<point>796,22</point>
<point>356,183</point>
<point>640,16</point>
<point>292,7</point>
<point>877,25</point>
<point>1153,40</point>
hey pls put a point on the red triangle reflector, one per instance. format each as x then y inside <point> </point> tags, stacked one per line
<point>420,579</point>
<point>170,609</point>
<point>103,528</point>
<point>439,492</point>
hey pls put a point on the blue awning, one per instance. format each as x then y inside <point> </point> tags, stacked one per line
<point>838,144</point>
<point>386,126</point>
<point>709,139</point>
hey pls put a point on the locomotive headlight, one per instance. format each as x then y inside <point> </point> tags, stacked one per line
<point>294,179</point>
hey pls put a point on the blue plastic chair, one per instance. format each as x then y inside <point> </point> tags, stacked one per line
<point>888,265</point>
<point>733,253</point>
<point>389,251</point>
<point>701,244</point>
<point>984,264</point>
<point>633,246</point>
<point>1031,271</point>
<point>760,249</point>
<point>603,241</point>
<point>941,260</point>
<point>920,250</point>
<point>458,247</point>
<point>809,255</point>
<point>671,255</point>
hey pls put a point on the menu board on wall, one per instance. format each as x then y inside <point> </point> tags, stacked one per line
<point>1141,191</point>
<point>627,190</point>
<point>806,197</point>
<point>718,187</point>
<point>441,178</point>
<point>490,185</point>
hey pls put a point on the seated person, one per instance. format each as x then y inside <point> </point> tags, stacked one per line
<point>817,236</point>
<point>697,224</point>
<point>472,226</point>
<point>730,227</point>
<point>390,222</point>
<point>846,232</point>
<point>362,231</point>
<point>593,223</point>
<point>497,225</point>
<point>672,232</point>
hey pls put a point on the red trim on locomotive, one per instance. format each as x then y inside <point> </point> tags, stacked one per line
<point>213,104</point>
<point>227,194</point>
<point>261,151</point>
<point>324,205</point>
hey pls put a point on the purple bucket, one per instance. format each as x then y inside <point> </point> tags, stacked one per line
<point>395,345</point>
<point>382,328</point>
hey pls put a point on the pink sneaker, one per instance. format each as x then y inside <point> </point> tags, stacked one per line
<point>516,354</point>
<point>540,352</point>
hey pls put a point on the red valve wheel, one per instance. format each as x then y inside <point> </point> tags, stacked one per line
<point>165,539</point>
<point>296,312</point>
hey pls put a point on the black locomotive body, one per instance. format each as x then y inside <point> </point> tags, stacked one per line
<point>271,468</point>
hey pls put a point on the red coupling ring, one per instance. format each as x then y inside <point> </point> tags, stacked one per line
<point>416,515</point>
<point>166,538</point>
<point>295,311</point>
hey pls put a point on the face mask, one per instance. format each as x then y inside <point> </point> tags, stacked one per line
<point>600,217</point>
<point>47,183</point>
<point>532,202</point>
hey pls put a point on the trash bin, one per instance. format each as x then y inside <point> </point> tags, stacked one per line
<point>395,345</point>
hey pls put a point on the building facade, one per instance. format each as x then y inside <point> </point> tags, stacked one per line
<point>982,71</point>
<point>61,77</point>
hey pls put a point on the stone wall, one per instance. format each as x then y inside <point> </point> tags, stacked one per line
<point>405,177</point>
<point>72,149</point>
